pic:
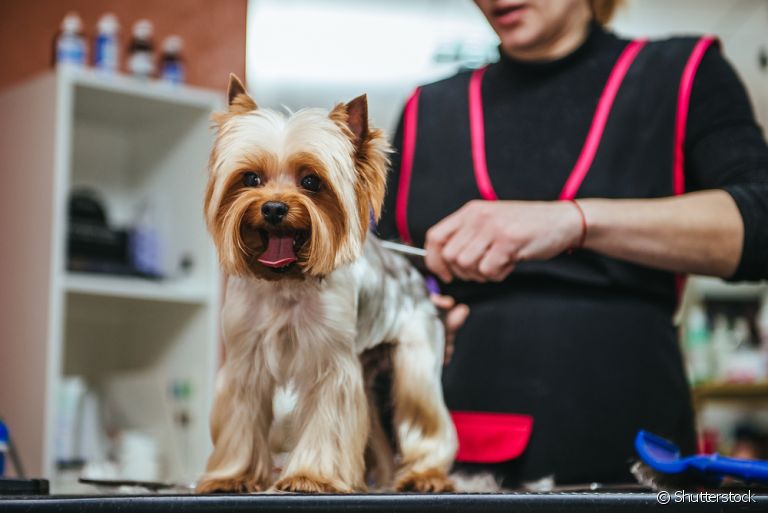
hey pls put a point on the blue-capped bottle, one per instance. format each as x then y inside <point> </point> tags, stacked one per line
<point>171,63</point>
<point>3,446</point>
<point>106,48</point>
<point>70,43</point>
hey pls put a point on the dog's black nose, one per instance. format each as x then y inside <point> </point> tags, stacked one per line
<point>274,211</point>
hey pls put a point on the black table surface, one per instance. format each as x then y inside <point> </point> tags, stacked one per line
<point>615,502</point>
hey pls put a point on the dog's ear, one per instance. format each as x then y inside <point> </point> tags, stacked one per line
<point>239,100</point>
<point>371,155</point>
<point>354,116</point>
<point>357,119</point>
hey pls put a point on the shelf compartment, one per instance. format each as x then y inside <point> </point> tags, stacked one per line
<point>142,147</point>
<point>130,352</point>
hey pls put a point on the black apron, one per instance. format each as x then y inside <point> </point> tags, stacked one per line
<point>559,366</point>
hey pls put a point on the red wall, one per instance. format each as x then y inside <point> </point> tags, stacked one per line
<point>213,32</point>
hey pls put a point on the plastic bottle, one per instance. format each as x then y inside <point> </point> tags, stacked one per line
<point>144,242</point>
<point>741,334</point>
<point>722,346</point>
<point>697,344</point>
<point>106,50</point>
<point>141,50</point>
<point>70,43</point>
<point>762,333</point>
<point>744,365</point>
<point>171,63</point>
<point>3,447</point>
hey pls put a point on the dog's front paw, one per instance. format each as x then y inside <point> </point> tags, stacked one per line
<point>239,484</point>
<point>304,483</point>
<point>431,481</point>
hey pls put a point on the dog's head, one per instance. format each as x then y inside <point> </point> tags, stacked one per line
<point>290,196</point>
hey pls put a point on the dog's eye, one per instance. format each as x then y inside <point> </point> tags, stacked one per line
<point>251,180</point>
<point>311,183</point>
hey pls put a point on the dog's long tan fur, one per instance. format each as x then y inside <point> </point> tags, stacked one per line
<point>305,325</point>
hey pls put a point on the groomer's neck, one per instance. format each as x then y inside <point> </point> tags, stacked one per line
<point>558,44</point>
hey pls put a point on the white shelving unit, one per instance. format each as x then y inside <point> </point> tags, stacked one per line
<point>136,143</point>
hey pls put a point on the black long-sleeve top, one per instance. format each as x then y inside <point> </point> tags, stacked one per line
<point>724,146</point>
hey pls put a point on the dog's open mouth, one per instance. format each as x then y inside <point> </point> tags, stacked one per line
<point>281,248</point>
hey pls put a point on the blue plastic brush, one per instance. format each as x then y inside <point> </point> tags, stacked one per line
<point>663,456</point>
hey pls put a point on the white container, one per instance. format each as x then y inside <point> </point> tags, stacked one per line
<point>697,346</point>
<point>762,332</point>
<point>69,398</point>
<point>106,50</point>
<point>723,346</point>
<point>172,64</point>
<point>70,44</point>
<point>141,58</point>
<point>137,457</point>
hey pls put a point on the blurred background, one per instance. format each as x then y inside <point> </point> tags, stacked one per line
<point>110,287</point>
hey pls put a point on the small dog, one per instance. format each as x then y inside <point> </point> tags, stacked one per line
<point>288,204</point>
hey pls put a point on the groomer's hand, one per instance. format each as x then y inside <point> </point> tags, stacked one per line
<point>484,240</point>
<point>455,315</point>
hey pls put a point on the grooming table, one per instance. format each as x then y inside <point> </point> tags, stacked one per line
<point>615,502</point>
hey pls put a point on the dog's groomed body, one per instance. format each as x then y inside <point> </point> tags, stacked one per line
<point>308,292</point>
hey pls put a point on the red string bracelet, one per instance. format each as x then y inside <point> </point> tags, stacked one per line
<point>583,236</point>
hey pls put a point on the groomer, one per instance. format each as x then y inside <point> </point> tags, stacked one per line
<point>562,193</point>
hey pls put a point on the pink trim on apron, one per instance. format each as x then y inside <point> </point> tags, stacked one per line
<point>477,135</point>
<point>604,106</point>
<point>410,120</point>
<point>681,119</point>
<point>683,104</point>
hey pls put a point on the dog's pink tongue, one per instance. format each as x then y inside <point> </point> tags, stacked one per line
<point>279,251</point>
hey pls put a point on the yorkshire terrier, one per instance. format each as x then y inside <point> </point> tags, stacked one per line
<point>310,292</point>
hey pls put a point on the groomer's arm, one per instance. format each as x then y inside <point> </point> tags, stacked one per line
<point>699,233</point>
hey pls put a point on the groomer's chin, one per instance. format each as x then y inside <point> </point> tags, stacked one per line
<point>525,27</point>
<point>520,39</point>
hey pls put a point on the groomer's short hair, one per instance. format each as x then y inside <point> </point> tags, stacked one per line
<point>603,10</point>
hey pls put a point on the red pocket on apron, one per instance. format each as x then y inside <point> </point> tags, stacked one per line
<point>486,437</point>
